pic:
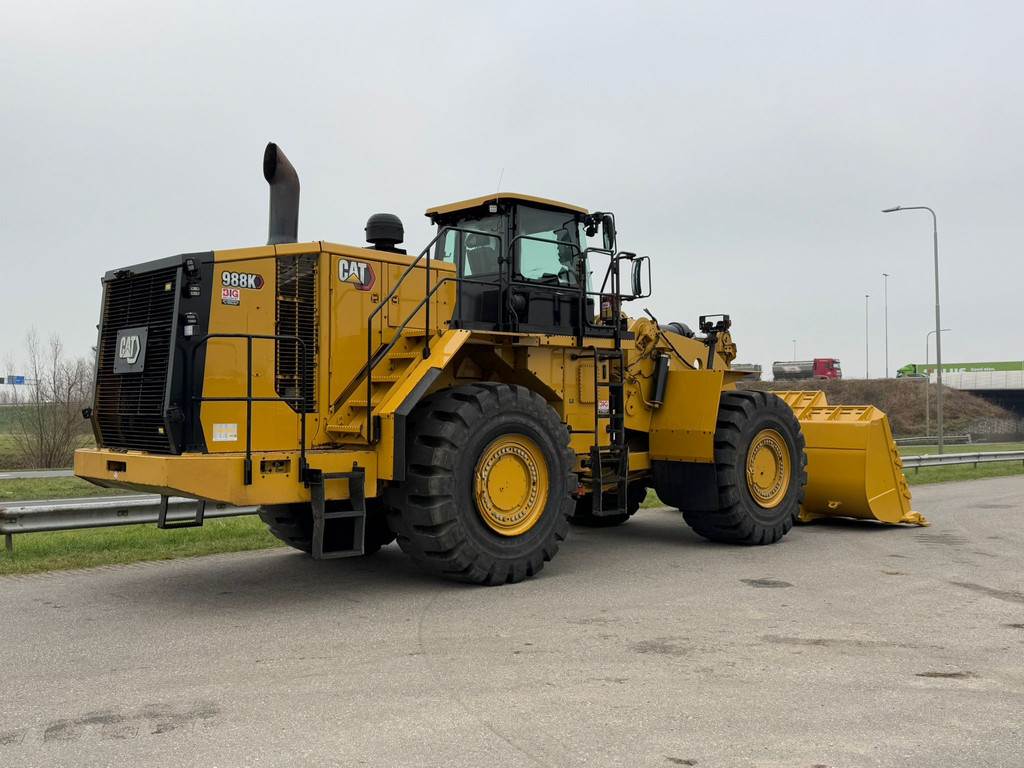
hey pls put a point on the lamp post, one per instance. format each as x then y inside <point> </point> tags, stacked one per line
<point>867,357</point>
<point>928,383</point>
<point>794,349</point>
<point>938,322</point>
<point>885,304</point>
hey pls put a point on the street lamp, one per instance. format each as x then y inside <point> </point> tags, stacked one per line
<point>867,357</point>
<point>938,323</point>
<point>885,302</point>
<point>928,383</point>
<point>794,349</point>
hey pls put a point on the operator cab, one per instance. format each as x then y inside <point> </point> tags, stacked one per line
<point>522,263</point>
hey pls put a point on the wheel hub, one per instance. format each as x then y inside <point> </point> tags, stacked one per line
<point>511,484</point>
<point>768,468</point>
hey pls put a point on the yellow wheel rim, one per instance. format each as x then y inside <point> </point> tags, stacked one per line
<point>768,468</point>
<point>511,485</point>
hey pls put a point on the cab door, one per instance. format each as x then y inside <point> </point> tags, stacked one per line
<point>545,291</point>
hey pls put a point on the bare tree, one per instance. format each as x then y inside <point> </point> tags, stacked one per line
<point>47,411</point>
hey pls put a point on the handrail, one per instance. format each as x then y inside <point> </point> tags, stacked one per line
<point>373,359</point>
<point>412,265</point>
<point>299,399</point>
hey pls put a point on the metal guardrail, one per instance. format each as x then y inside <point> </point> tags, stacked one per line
<point>34,474</point>
<point>933,440</point>
<point>73,514</point>
<point>953,459</point>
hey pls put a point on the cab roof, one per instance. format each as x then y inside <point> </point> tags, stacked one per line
<point>476,202</point>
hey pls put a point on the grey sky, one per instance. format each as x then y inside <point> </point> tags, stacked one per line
<point>746,147</point>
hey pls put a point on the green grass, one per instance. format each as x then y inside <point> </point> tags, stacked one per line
<point>651,501</point>
<point>927,475</point>
<point>9,454</point>
<point>52,488</point>
<point>917,450</point>
<point>8,416</point>
<point>132,543</point>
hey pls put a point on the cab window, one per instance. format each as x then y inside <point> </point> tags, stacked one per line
<point>549,246</point>
<point>447,246</point>
<point>479,249</point>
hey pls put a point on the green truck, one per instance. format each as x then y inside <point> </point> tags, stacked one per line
<point>919,369</point>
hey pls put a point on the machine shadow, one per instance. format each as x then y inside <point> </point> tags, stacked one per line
<point>287,579</point>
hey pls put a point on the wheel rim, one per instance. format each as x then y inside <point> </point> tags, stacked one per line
<point>511,485</point>
<point>768,468</point>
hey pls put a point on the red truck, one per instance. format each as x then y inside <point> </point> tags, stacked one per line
<point>818,368</point>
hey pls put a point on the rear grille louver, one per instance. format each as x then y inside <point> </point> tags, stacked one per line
<point>296,316</point>
<point>129,407</point>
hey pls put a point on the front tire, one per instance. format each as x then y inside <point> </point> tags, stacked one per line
<point>488,483</point>
<point>760,470</point>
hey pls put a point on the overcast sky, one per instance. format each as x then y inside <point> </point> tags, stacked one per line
<point>747,148</point>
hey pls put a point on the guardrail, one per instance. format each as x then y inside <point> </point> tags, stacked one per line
<point>34,474</point>
<point>952,459</point>
<point>933,440</point>
<point>73,514</point>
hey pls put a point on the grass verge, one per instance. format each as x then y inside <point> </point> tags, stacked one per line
<point>132,543</point>
<point>917,450</point>
<point>927,475</point>
<point>9,454</point>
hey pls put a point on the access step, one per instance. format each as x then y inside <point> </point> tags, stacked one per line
<point>338,532</point>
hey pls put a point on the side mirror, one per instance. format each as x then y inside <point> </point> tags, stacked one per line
<point>641,277</point>
<point>608,231</point>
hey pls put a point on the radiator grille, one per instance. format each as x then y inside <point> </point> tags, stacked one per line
<point>296,316</point>
<point>129,407</point>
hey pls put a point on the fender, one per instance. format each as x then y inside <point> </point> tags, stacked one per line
<point>394,411</point>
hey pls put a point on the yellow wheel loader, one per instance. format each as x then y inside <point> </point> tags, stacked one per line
<point>471,401</point>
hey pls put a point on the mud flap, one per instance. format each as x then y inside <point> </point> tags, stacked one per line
<point>853,465</point>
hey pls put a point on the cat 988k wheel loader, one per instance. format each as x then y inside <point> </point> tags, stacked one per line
<point>471,401</point>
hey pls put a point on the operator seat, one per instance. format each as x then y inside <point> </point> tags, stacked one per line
<point>481,255</point>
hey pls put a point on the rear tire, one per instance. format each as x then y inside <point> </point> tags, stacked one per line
<point>585,517</point>
<point>293,524</point>
<point>489,477</point>
<point>761,471</point>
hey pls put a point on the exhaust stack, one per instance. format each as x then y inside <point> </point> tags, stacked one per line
<point>284,196</point>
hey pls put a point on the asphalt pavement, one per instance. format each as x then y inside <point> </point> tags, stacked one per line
<point>848,644</point>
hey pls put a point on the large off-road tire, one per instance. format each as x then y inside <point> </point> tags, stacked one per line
<point>488,483</point>
<point>293,524</point>
<point>760,471</point>
<point>584,515</point>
